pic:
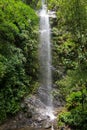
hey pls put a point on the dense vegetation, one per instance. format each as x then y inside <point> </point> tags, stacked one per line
<point>18,54</point>
<point>70,48</point>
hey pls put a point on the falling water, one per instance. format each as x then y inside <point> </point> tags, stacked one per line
<point>45,58</point>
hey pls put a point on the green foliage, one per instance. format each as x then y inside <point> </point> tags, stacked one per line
<point>76,99</point>
<point>74,89</point>
<point>76,114</point>
<point>74,80</point>
<point>33,3</point>
<point>53,4</point>
<point>2,66</point>
<point>18,55</point>
<point>70,59</point>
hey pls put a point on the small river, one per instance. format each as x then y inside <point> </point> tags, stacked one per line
<point>28,128</point>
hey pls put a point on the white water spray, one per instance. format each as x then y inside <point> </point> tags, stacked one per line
<point>45,57</point>
<point>45,61</point>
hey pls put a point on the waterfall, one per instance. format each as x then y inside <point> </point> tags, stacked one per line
<point>45,59</point>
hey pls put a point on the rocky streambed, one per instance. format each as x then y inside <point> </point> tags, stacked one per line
<point>34,115</point>
<point>28,128</point>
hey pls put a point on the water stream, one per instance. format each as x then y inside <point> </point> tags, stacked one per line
<point>45,58</point>
<point>29,128</point>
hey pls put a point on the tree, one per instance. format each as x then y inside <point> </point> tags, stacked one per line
<point>18,54</point>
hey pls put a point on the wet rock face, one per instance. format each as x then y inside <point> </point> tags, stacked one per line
<point>47,125</point>
<point>34,114</point>
<point>56,96</point>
